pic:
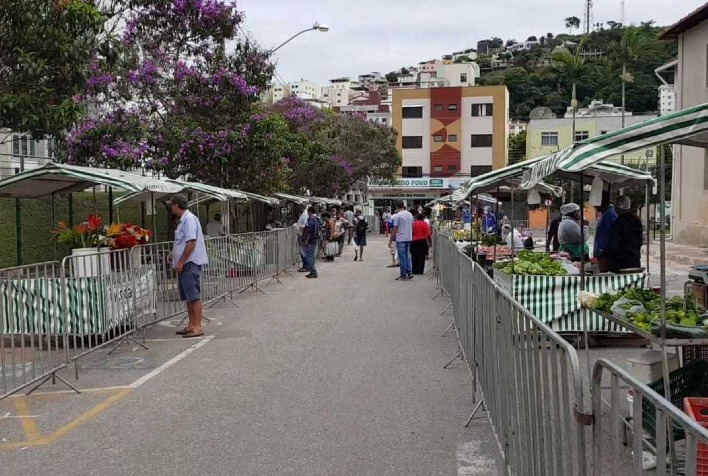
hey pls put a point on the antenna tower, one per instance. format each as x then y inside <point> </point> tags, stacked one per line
<point>622,12</point>
<point>588,16</point>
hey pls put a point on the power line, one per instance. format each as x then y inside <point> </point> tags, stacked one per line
<point>243,27</point>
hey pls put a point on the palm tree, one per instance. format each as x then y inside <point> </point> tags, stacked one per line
<point>571,67</point>
<point>572,22</point>
<point>627,52</point>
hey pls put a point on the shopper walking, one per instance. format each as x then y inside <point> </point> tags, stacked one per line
<point>187,258</point>
<point>420,244</point>
<point>402,234</point>
<point>342,227</point>
<point>361,228</point>
<point>310,237</point>
<point>349,216</point>
<point>386,219</point>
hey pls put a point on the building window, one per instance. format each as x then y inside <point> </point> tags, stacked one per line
<point>452,138</point>
<point>549,138</point>
<point>482,140</point>
<point>438,107</point>
<point>463,77</point>
<point>452,169</point>
<point>477,170</point>
<point>412,172</point>
<point>412,142</point>
<point>479,110</point>
<point>437,169</point>
<point>452,107</point>
<point>415,112</point>
<point>383,120</point>
<point>24,146</point>
<point>438,138</point>
<point>602,133</point>
<point>581,135</point>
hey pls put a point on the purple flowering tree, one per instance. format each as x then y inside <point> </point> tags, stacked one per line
<point>180,103</point>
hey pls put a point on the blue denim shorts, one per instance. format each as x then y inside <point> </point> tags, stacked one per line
<point>189,283</point>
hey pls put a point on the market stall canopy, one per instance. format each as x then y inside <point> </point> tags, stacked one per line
<point>272,201</point>
<point>458,196</point>
<point>497,178</point>
<point>54,178</point>
<point>293,198</point>
<point>685,127</point>
<point>327,201</point>
<point>207,193</point>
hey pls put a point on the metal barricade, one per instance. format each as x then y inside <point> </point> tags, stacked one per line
<point>31,337</point>
<point>610,455</point>
<point>528,375</point>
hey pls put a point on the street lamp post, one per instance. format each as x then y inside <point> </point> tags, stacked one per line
<point>315,27</point>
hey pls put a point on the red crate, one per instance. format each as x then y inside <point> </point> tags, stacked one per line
<point>697,408</point>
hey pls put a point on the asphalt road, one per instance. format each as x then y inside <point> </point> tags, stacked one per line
<point>336,376</point>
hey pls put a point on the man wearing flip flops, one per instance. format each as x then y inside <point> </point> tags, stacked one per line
<point>187,258</point>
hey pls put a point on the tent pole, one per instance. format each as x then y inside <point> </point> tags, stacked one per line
<point>648,233</point>
<point>142,214</point>
<point>496,225</point>
<point>154,216</point>
<point>582,271</point>
<point>110,204</point>
<point>95,208</point>
<point>18,232</point>
<point>253,226</point>
<point>71,210</point>
<point>513,253</point>
<point>54,221</point>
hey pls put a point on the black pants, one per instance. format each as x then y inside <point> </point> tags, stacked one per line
<point>419,250</point>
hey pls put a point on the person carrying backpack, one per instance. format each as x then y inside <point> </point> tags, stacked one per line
<point>361,227</point>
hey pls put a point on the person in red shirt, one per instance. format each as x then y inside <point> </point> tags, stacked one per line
<point>420,244</point>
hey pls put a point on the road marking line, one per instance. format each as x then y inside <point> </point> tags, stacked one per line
<point>170,362</point>
<point>471,461</point>
<point>65,392</point>
<point>29,425</point>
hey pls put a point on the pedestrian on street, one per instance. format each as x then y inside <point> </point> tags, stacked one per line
<point>361,228</point>
<point>349,216</point>
<point>420,244</point>
<point>300,226</point>
<point>341,230</point>
<point>386,219</point>
<point>602,232</point>
<point>552,243</point>
<point>402,234</point>
<point>310,237</point>
<point>187,258</point>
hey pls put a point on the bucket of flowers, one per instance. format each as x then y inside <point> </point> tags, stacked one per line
<point>126,236</point>
<point>87,242</point>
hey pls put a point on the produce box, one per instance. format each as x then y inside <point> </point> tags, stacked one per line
<point>555,299</point>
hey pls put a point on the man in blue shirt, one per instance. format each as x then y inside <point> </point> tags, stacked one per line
<point>402,234</point>
<point>310,236</point>
<point>188,256</point>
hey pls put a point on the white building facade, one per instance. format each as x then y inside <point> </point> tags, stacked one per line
<point>20,152</point>
<point>667,99</point>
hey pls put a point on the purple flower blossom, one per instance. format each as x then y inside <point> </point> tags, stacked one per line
<point>341,161</point>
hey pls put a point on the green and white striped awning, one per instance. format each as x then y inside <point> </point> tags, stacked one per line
<point>293,198</point>
<point>687,127</point>
<point>506,176</point>
<point>61,178</point>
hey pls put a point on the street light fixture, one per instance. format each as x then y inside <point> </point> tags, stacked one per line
<point>315,27</point>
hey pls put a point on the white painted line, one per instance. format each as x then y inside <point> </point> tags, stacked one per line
<point>83,390</point>
<point>170,362</point>
<point>471,461</point>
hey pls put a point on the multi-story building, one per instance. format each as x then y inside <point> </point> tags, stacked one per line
<point>667,99</point>
<point>372,80</point>
<point>459,74</point>
<point>516,127</point>
<point>20,152</point>
<point>340,90</point>
<point>445,136</point>
<point>305,89</point>
<point>548,135</point>
<point>371,105</point>
<point>689,191</point>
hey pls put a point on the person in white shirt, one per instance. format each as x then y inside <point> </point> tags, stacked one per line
<point>214,228</point>
<point>512,239</point>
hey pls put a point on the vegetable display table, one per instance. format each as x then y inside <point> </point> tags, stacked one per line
<point>95,304</point>
<point>555,299</point>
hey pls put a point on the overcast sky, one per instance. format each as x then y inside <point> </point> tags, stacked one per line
<point>383,35</point>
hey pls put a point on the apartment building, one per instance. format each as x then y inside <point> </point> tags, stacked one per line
<point>453,132</point>
<point>667,99</point>
<point>516,127</point>
<point>340,90</point>
<point>19,152</point>
<point>689,191</point>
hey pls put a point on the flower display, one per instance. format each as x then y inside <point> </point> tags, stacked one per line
<point>121,236</point>
<point>88,234</point>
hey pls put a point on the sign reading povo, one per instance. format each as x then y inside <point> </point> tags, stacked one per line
<point>422,182</point>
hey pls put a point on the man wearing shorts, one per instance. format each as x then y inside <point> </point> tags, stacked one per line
<point>187,258</point>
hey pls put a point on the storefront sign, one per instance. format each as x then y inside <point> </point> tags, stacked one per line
<point>422,182</point>
<point>401,195</point>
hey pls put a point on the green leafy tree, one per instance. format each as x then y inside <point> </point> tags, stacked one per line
<point>47,49</point>
<point>572,23</point>
<point>517,147</point>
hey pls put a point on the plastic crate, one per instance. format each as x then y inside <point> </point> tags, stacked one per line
<point>697,408</point>
<point>694,352</point>
<point>691,380</point>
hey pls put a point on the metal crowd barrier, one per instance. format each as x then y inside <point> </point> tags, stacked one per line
<point>532,389</point>
<point>52,314</point>
<point>529,377</point>
<point>669,457</point>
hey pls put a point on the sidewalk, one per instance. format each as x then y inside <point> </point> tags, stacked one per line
<point>341,375</point>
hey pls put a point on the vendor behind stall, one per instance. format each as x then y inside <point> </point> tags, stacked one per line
<point>489,222</point>
<point>624,242</point>
<point>512,239</point>
<point>569,232</point>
